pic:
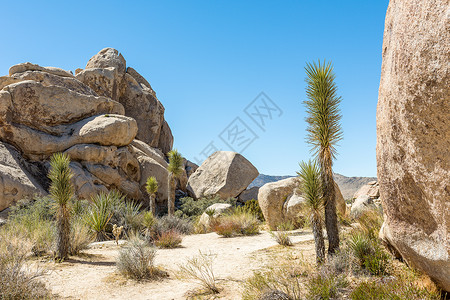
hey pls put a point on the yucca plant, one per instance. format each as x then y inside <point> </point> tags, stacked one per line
<point>100,213</point>
<point>175,169</point>
<point>324,131</point>
<point>152,188</point>
<point>61,190</point>
<point>311,187</point>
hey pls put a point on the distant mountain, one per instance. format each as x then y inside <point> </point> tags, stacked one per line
<point>347,185</point>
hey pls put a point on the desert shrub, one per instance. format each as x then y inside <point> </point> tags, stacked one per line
<point>392,290</point>
<point>369,253</point>
<point>252,207</point>
<point>131,216</point>
<point>237,222</point>
<point>200,269</point>
<point>79,208</point>
<point>17,281</point>
<point>282,238</point>
<point>200,227</point>
<point>167,223</point>
<point>136,259</point>
<point>371,221</point>
<point>284,277</point>
<point>190,208</point>
<point>325,285</point>
<point>168,239</point>
<point>225,227</point>
<point>80,237</point>
<point>34,221</point>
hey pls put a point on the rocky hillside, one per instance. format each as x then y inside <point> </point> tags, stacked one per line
<point>347,185</point>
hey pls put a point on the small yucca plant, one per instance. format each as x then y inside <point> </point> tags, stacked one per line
<point>175,169</point>
<point>152,188</point>
<point>311,186</point>
<point>61,190</point>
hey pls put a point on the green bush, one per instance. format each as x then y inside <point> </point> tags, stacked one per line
<point>392,290</point>
<point>324,285</point>
<point>34,221</point>
<point>168,239</point>
<point>369,253</point>
<point>237,222</point>
<point>253,208</point>
<point>190,208</point>
<point>167,223</point>
<point>80,237</point>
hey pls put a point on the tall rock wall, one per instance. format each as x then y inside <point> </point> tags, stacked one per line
<point>413,134</point>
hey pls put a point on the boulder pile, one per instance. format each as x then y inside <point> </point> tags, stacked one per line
<point>107,118</point>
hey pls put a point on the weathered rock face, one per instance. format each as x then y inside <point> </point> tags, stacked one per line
<point>44,110</point>
<point>106,73</point>
<point>281,200</point>
<point>371,189</point>
<point>15,181</point>
<point>413,135</point>
<point>224,173</point>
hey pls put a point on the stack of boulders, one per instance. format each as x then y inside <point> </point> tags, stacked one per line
<point>366,198</point>
<point>107,118</point>
<point>413,135</point>
<point>282,201</point>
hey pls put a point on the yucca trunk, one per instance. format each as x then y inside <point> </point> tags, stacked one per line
<point>329,194</point>
<point>63,233</point>
<point>152,204</point>
<point>316,223</point>
<point>171,196</point>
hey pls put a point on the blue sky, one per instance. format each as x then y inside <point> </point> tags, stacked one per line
<point>208,60</point>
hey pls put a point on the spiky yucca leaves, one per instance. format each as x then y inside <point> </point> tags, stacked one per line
<point>175,169</point>
<point>152,188</point>
<point>324,131</point>
<point>311,186</point>
<point>61,190</point>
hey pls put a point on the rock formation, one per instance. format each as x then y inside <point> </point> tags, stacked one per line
<point>107,118</point>
<point>281,200</point>
<point>371,190</point>
<point>413,135</point>
<point>225,174</point>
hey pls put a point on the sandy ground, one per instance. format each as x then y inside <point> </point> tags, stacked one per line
<point>93,275</point>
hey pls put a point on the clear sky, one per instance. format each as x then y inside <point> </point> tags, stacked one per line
<point>209,60</point>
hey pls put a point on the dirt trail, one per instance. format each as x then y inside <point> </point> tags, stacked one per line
<point>94,276</point>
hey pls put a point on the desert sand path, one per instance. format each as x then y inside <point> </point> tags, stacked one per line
<point>94,276</point>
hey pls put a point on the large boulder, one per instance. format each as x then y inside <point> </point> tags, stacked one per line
<point>225,174</point>
<point>15,181</point>
<point>282,200</point>
<point>38,106</point>
<point>271,199</point>
<point>413,135</point>
<point>105,130</point>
